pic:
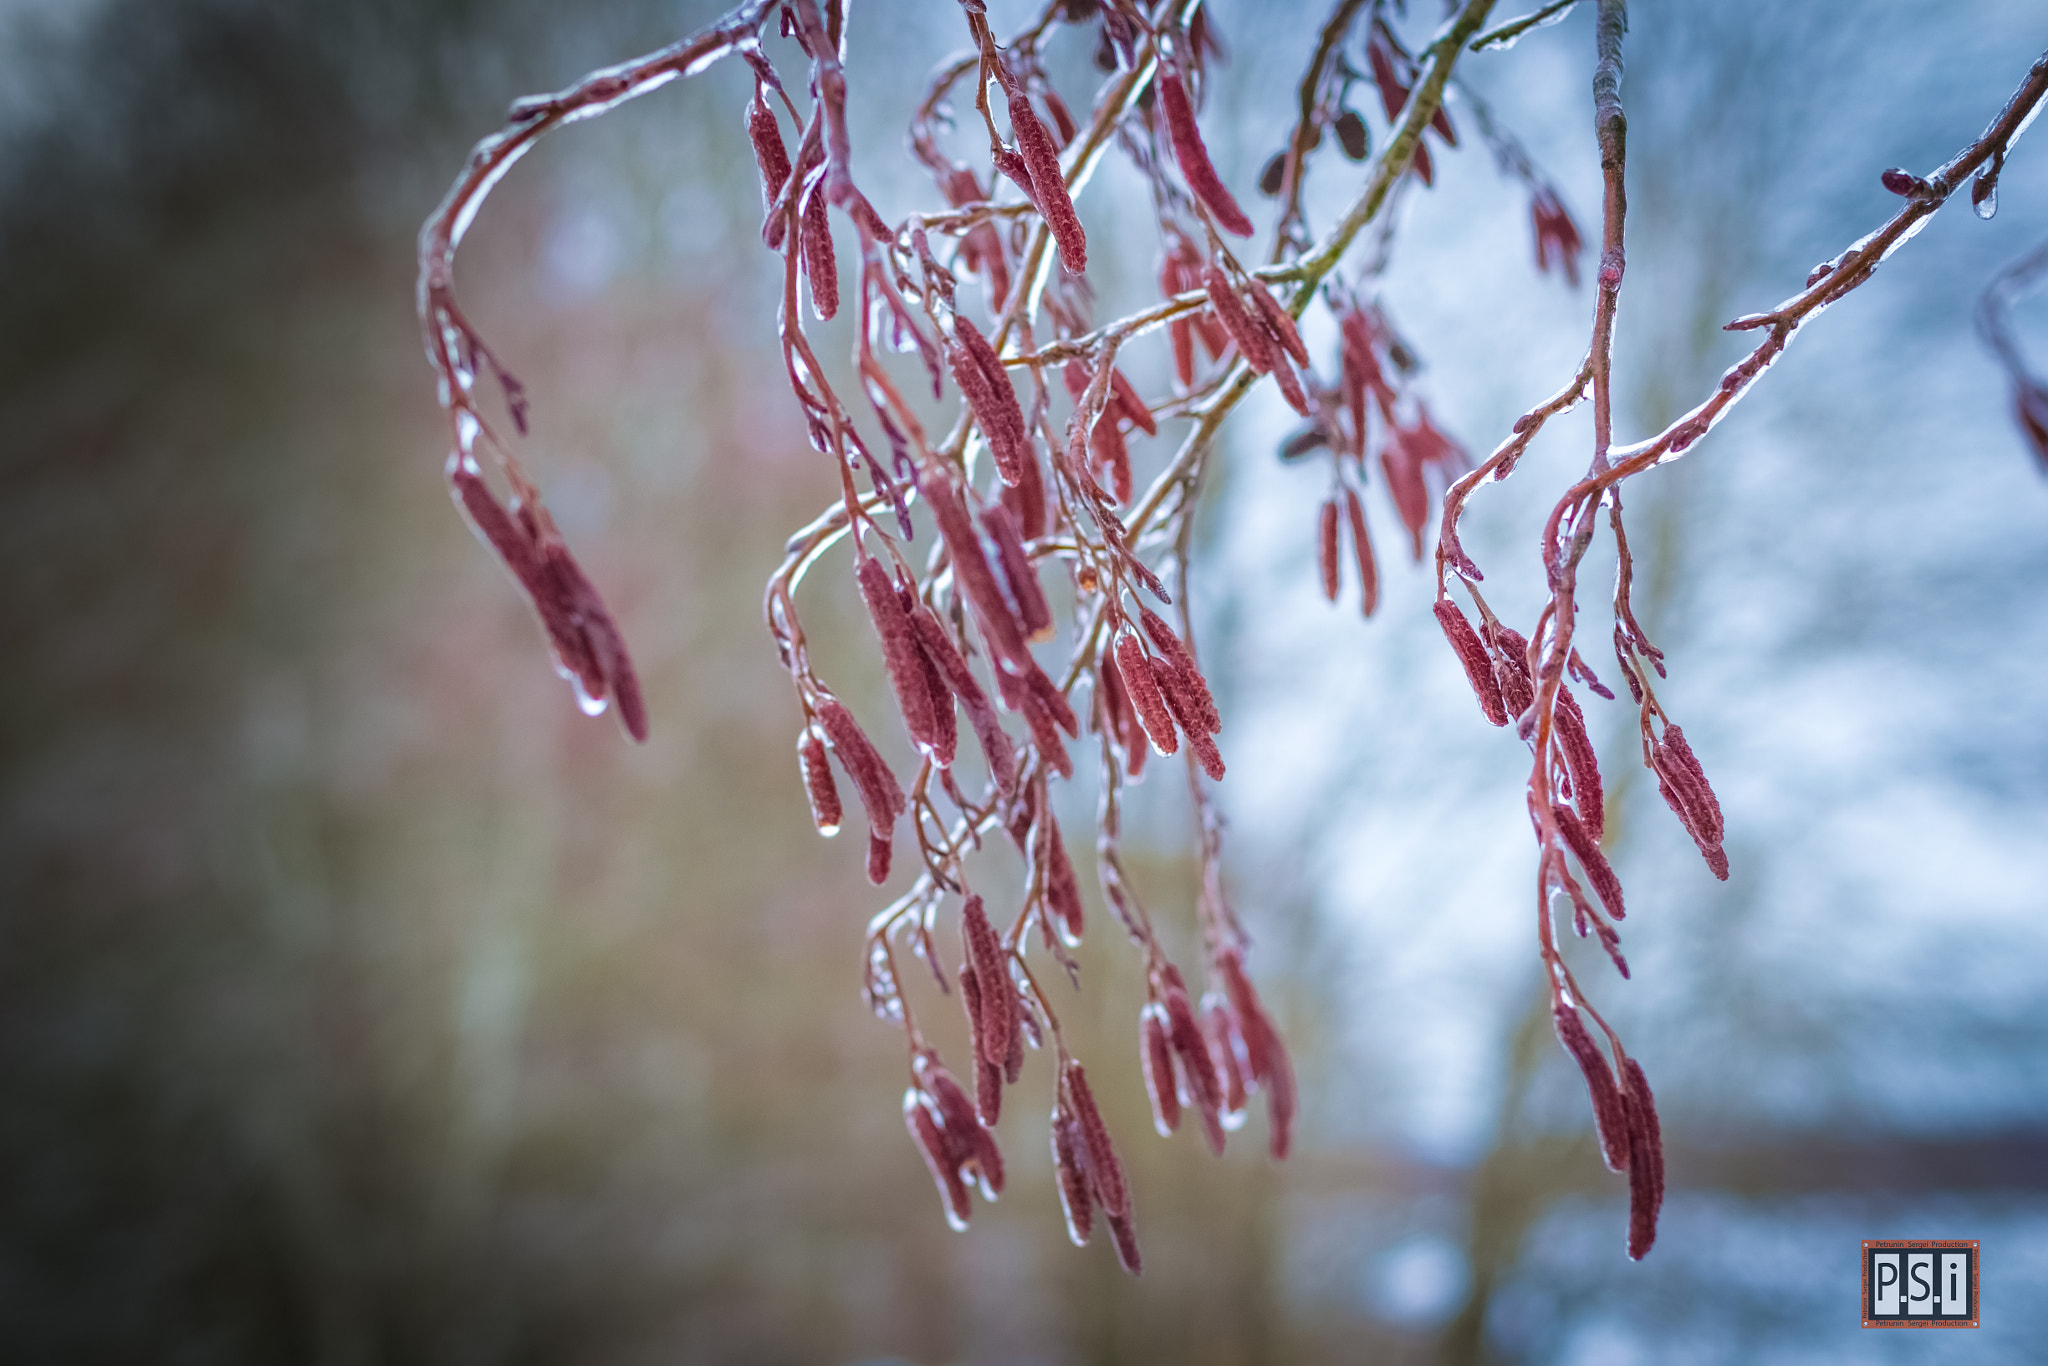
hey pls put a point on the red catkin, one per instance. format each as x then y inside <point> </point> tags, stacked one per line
<point>580,630</point>
<point>1645,1162</point>
<point>1265,1054</point>
<point>1048,182</point>
<point>1290,385</point>
<point>1220,1024</point>
<point>998,1008</point>
<point>1478,668</point>
<point>1125,1235</point>
<point>1361,548</point>
<point>1104,1169</point>
<point>1186,713</point>
<point>1685,762</point>
<point>985,386</point>
<point>1183,660</point>
<point>1026,501</point>
<point>1133,406</point>
<point>769,153</point>
<point>1034,613</point>
<point>945,745</point>
<point>1062,888</point>
<point>901,656</point>
<point>818,785</point>
<point>1610,1120</point>
<point>1143,691</point>
<point>879,850</point>
<point>1683,784</point>
<point>938,1159</point>
<point>1278,322</point>
<point>1112,457</point>
<point>1281,1097</point>
<point>940,651</point>
<point>1326,548</point>
<point>1181,333</point>
<point>821,266</point>
<point>877,786</point>
<point>1121,718</point>
<point>1251,339</point>
<point>988,1079</point>
<point>1077,1201</point>
<point>1405,487</point>
<point>1569,724</point>
<point>1511,668</point>
<point>1155,1052</point>
<point>1197,1068</point>
<point>1585,846</point>
<point>971,569</point>
<point>1193,156</point>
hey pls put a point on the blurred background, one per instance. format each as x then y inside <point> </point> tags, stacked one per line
<point>362,1002</point>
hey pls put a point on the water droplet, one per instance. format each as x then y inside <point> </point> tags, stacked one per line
<point>1984,197</point>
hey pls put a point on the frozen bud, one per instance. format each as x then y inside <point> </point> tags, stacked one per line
<point>1274,175</point>
<point>1478,668</point>
<point>1193,156</point>
<point>1352,136</point>
<point>1903,182</point>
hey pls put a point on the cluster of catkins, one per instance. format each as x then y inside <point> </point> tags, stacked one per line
<point>958,636</point>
